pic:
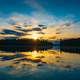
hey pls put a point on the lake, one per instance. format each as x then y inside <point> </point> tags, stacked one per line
<point>51,64</point>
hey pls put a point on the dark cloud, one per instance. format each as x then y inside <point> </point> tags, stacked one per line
<point>41,33</point>
<point>42,26</point>
<point>37,29</point>
<point>28,30</point>
<point>58,32</point>
<point>8,31</point>
<point>24,30</point>
<point>67,24</point>
<point>21,30</point>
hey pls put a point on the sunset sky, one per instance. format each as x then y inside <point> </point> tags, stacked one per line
<point>45,19</point>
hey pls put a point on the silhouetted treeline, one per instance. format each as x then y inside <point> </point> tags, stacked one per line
<point>70,42</point>
<point>70,45</point>
<point>24,44</point>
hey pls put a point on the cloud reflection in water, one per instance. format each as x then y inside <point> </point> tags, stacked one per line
<point>19,61</point>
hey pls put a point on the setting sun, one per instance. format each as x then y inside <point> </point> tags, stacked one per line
<point>35,36</point>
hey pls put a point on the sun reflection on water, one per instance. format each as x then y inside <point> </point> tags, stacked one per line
<point>44,56</point>
<point>32,60</point>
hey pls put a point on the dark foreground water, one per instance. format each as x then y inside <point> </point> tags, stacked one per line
<point>41,65</point>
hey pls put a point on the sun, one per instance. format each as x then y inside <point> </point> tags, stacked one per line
<point>35,36</point>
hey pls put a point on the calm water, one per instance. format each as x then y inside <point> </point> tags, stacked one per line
<point>41,65</point>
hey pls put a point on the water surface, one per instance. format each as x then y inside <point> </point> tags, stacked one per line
<point>39,65</point>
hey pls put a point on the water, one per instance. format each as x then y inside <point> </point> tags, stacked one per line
<point>42,65</point>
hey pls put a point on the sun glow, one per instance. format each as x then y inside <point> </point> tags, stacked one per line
<point>35,36</point>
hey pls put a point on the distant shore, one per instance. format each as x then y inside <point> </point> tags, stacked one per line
<point>70,45</point>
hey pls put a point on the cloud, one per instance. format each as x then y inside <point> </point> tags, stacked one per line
<point>34,4</point>
<point>43,18</point>
<point>36,29</point>
<point>40,18</point>
<point>18,25</point>
<point>68,29</point>
<point>64,28</point>
<point>41,33</point>
<point>8,31</point>
<point>41,22</point>
<point>42,26</point>
<point>28,30</point>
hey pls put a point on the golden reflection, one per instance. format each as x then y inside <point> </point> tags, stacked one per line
<point>45,56</point>
<point>31,60</point>
<point>35,54</point>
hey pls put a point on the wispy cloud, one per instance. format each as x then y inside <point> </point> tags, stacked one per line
<point>34,4</point>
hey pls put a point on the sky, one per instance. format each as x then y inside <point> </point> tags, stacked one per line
<point>61,17</point>
<point>58,8</point>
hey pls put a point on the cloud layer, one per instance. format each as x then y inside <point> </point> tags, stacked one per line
<point>41,23</point>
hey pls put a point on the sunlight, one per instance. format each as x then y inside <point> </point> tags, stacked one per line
<point>35,36</point>
<point>34,54</point>
<point>31,55</point>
